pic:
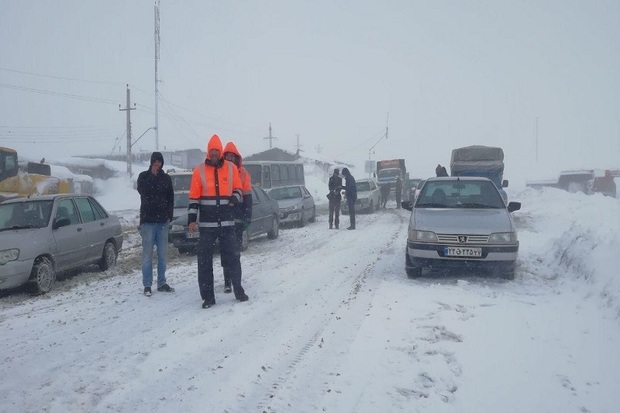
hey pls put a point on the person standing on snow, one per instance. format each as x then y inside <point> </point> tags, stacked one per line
<point>335,186</point>
<point>398,191</point>
<point>215,191</point>
<point>156,206</point>
<point>243,216</point>
<point>385,193</point>
<point>351,195</point>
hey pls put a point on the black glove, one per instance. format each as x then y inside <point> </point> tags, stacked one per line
<point>234,201</point>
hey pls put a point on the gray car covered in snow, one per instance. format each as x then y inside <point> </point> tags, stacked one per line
<point>461,222</point>
<point>46,235</point>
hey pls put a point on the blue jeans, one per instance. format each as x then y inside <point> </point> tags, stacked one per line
<point>154,234</point>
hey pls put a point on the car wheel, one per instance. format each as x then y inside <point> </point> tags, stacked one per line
<point>302,221</point>
<point>509,274</point>
<point>108,258</point>
<point>275,229</point>
<point>313,217</point>
<point>185,250</point>
<point>371,208</point>
<point>42,276</point>
<point>414,272</point>
<point>243,245</point>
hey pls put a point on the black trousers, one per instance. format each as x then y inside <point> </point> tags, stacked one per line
<point>351,203</point>
<point>238,235</point>
<point>334,212</point>
<point>229,254</point>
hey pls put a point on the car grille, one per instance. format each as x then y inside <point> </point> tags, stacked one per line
<point>454,239</point>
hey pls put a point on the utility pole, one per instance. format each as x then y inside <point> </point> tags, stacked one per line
<point>270,137</point>
<point>536,131</point>
<point>156,75</point>
<point>298,145</point>
<point>128,109</point>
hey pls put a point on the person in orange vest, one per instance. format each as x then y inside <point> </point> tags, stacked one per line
<point>244,212</point>
<point>215,192</point>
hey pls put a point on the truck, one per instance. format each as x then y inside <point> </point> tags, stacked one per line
<point>29,179</point>
<point>388,170</point>
<point>483,161</point>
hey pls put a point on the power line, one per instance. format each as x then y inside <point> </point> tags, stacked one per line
<point>60,77</point>
<point>52,93</point>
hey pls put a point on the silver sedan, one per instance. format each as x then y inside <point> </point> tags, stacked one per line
<point>42,236</point>
<point>462,223</point>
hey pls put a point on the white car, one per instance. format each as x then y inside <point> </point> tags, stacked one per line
<point>461,222</point>
<point>296,204</point>
<point>368,197</point>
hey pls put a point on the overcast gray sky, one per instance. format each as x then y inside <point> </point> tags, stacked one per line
<point>449,73</point>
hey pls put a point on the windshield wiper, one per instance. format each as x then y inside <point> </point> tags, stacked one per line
<point>431,205</point>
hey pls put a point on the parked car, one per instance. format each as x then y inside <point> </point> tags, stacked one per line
<point>43,236</point>
<point>417,189</point>
<point>461,222</point>
<point>296,204</point>
<point>412,185</point>
<point>368,197</point>
<point>265,220</point>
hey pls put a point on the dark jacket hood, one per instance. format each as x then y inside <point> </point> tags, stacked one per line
<point>157,156</point>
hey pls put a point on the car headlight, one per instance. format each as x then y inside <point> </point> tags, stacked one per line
<point>422,236</point>
<point>503,238</point>
<point>177,228</point>
<point>292,208</point>
<point>8,255</point>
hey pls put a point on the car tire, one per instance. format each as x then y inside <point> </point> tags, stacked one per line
<point>275,229</point>
<point>185,250</point>
<point>302,221</point>
<point>313,217</point>
<point>371,208</point>
<point>108,257</point>
<point>508,274</point>
<point>414,272</point>
<point>243,245</point>
<point>42,276</point>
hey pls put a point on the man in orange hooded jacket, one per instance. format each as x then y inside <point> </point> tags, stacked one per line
<point>215,192</point>
<point>244,212</point>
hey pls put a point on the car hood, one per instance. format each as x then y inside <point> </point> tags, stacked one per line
<point>461,221</point>
<point>178,212</point>
<point>363,194</point>
<point>286,203</point>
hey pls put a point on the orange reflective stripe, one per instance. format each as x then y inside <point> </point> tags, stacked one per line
<point>230,174</point>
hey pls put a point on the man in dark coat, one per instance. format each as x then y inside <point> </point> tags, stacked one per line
<point>156,206</point>
<point>351,195</point>
<point>335,186</point>
<point>398,191</point>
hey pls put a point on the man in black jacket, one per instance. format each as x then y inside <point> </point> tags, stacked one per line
<point>156,206</point>
<point>351,195</point>
<point>335,186</point>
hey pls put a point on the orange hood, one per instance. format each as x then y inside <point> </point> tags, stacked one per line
<point>230,147</point>
<point>214,143</point>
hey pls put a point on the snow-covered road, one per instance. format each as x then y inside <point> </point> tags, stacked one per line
<point>333,324</point>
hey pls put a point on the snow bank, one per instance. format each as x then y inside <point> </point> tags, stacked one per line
<point>572,239</point>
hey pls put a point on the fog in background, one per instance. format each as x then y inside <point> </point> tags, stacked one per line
<point>449,73</point>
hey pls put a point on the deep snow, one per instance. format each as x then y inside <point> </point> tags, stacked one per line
<point>333,324</point>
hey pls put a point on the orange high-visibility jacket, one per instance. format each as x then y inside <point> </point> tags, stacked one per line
<point>214,190</point>
<point>246,184</point>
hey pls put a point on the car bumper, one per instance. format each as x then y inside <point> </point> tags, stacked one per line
<point>433,255</point>
<point>182,239</point>
<point>290,216</point>
<point>15,273</point>
<point>359,205</point>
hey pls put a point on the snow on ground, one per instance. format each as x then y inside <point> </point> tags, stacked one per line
<point>333,324</point>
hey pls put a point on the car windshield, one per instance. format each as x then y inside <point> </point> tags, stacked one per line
<point>362,186</point>
<point>459,194</point>
<point>388,173</point>
<point>181,200</point>
<point>280,194</point>
<point>181,182</point>
<point>21,215</point>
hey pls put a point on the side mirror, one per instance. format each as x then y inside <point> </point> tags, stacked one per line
<point>514,206</point>
<point>408,205</point>
<point>60,222</point>
<point>505,183</point>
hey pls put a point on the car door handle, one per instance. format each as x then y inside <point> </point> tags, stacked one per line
<point>79,229</point>
<point>102,223</point>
